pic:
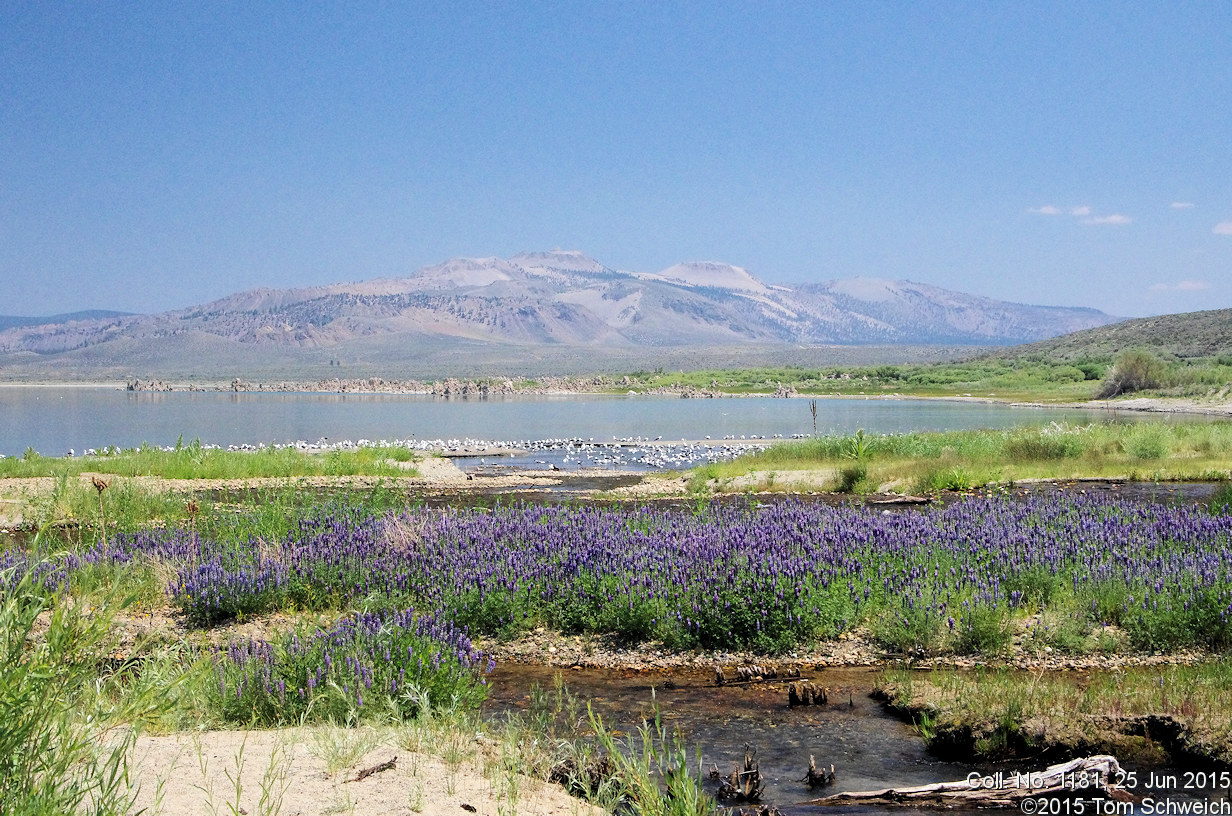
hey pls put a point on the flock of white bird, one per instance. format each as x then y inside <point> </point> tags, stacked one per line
<point>636,453</point>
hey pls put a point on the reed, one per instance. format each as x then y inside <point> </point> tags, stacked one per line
<point>68,729</point>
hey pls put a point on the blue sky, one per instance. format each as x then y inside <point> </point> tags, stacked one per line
<point>154,156</point>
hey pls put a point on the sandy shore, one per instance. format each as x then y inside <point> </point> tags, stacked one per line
<point>310,771</point>
<point>1162,405</point>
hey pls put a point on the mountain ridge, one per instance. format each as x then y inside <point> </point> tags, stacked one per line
<point>563,298</point>
<point>18,321</point>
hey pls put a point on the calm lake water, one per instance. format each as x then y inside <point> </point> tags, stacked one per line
<point>53,420</point>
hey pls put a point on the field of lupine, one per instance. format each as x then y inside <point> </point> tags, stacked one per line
<point>1069,573</point>
<point>767,579</point>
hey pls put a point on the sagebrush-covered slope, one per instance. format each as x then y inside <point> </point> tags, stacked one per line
<point>1185,335</point>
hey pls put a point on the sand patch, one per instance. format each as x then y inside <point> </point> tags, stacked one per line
<point>310,771</point>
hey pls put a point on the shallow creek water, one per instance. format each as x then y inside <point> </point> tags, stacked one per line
<point>869,747</point>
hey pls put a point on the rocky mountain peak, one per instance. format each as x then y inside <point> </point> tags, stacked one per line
<point>714,274</point>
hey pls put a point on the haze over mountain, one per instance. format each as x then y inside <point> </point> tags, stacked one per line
<point>13,321</point>
<point>555,298</point>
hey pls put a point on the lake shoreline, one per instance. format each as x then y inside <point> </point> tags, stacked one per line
<point>605,385</point>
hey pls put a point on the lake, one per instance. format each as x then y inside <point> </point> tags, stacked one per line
<point>52,419</point>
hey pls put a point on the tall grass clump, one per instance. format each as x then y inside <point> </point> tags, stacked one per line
<point>983,629</point>
<point>76,505</point>
<point>653,772</point>
<point>1047,443</point>
<point>856,450</point>
<point>61,751</point>
<point>1148,441</point>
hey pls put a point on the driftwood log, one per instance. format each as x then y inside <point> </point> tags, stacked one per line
<point>754,673</point>
<point>1088,777</point>
<point>376,769</point>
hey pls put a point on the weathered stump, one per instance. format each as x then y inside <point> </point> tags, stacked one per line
<point>818,777</point>
<point>743,786</point>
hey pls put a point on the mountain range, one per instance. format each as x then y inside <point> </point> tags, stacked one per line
<point>540,299</point>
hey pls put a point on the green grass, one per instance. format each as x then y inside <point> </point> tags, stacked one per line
<point>1002,712</point>
<point>657,775</point>
<point>195,461</point>
<point>68,714</point>
<point>73,506</point>
<point>959,460</point>
<point>269,513</point>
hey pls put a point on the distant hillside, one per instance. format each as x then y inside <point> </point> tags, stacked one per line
<point>917,310</point>
<point>468,310</point>
<point>1186,335</point>
<point>13,321</point>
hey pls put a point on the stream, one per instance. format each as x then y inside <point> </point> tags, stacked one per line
<point>869,747</point>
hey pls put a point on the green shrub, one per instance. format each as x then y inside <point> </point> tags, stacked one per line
<point>1134,371</point>
<point>1035,587</point>
<point>1091,370</point>
<point>700,478</point>
<point>1108,602</point>
<point>852,477</point>
<point>1063,632</point>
